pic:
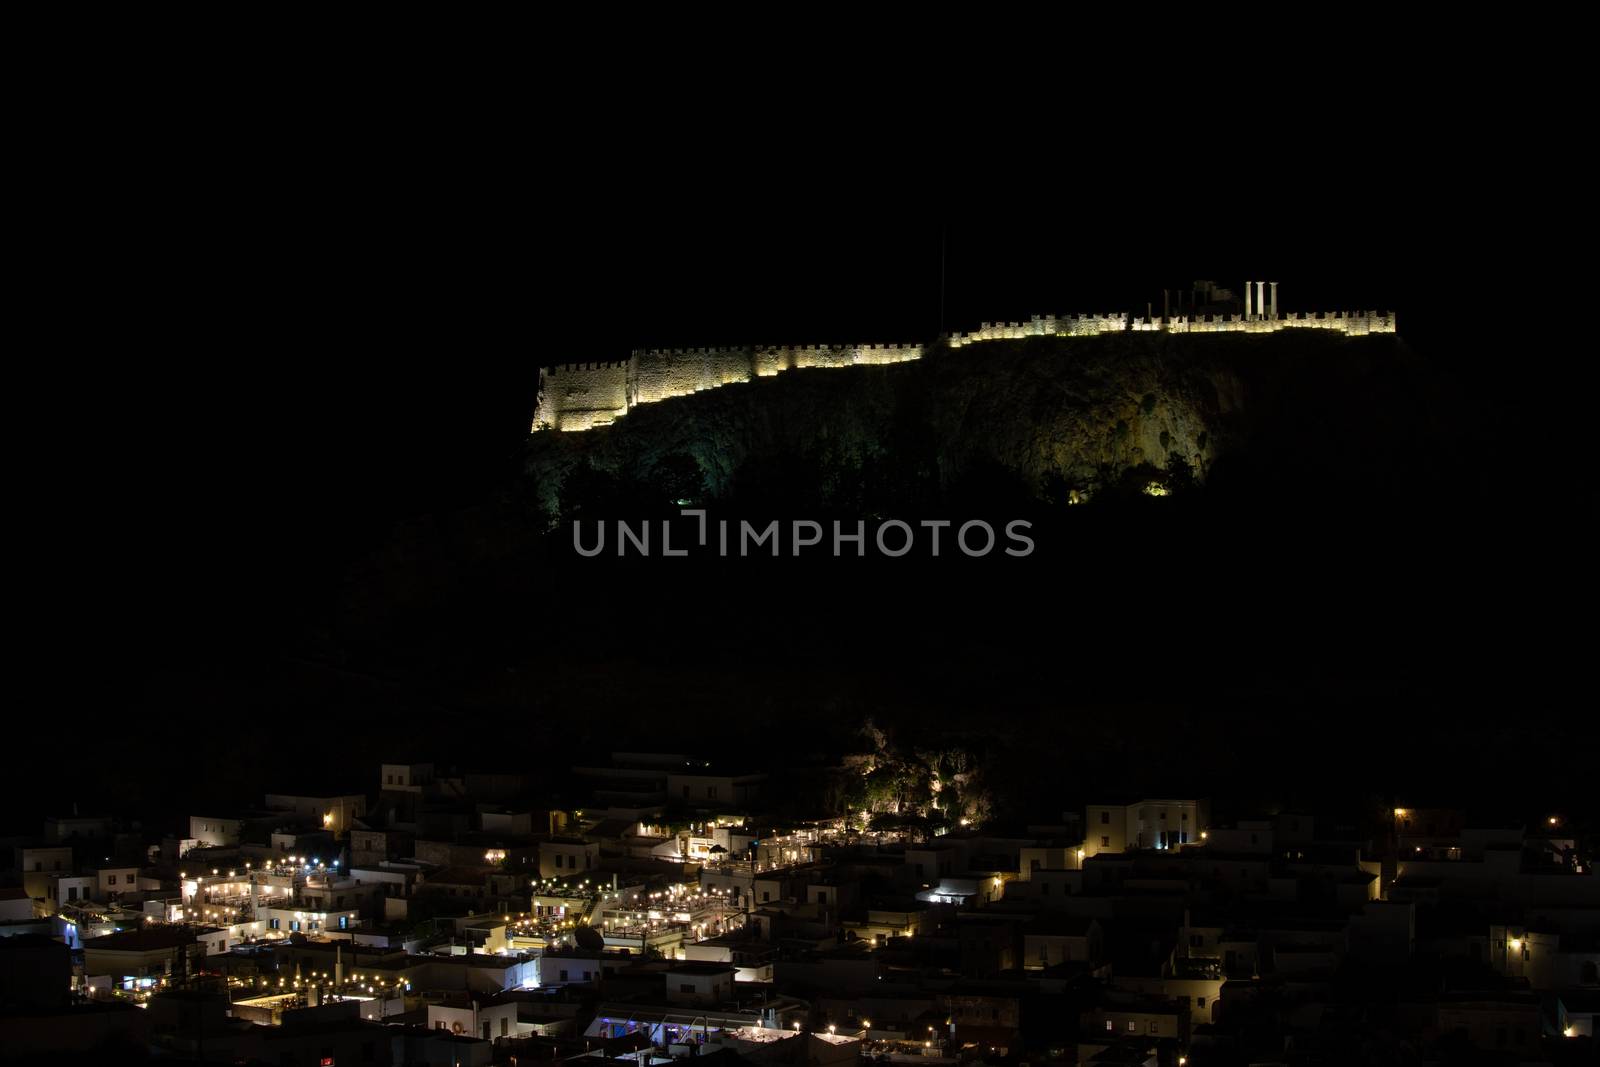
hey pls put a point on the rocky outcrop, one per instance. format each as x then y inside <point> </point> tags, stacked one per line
<point>1078,413</point>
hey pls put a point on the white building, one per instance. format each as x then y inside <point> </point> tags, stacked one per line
<point>114,880</point>
<point>564,857</point>
<point>15,904</point>
<point>702,984</point>
<point>215,831</point>
<point>333,813</point>
<point>1153,823</point>
<point>411,777</point>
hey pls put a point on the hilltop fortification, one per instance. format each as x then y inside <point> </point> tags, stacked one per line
<point>581,396</point>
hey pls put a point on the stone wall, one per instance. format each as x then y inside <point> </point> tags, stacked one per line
<point>581,396</point>
<point>1043,326</point>
<point>1350,323</point>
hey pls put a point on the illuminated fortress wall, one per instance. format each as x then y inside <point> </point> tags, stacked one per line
<point>1043,326</point>
<point>580,396</point>
<point>1350,323</point>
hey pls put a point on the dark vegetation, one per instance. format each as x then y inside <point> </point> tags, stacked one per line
<point>1316,570</point>
<point>1285,420</point>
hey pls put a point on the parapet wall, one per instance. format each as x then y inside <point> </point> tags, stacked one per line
<point>1350,323</point>
<point>1043,326</point>
<point>581,396</point>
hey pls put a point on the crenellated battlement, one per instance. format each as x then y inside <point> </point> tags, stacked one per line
<point>581,396</point>
<point>1043,326</point>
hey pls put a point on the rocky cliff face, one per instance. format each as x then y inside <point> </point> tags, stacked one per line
<point>1082,415</point>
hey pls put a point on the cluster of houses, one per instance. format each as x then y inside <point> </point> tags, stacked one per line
<point>457,918</point>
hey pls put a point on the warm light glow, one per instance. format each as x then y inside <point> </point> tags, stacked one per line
<point>1553,820</point>
<point>1399,813</point>
<point>1515,943</point>
<point>1204,834</point>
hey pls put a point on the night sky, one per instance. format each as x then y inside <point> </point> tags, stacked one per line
<point>338,348</point>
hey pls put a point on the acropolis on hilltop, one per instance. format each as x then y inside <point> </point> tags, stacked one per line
<point>581,396</point>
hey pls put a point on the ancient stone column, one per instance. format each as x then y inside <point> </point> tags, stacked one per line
<point>1249,287</point>
<point>1261,300</point>
<point>1274,305</point>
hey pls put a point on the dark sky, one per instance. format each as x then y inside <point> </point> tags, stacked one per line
<point>347,332</point>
